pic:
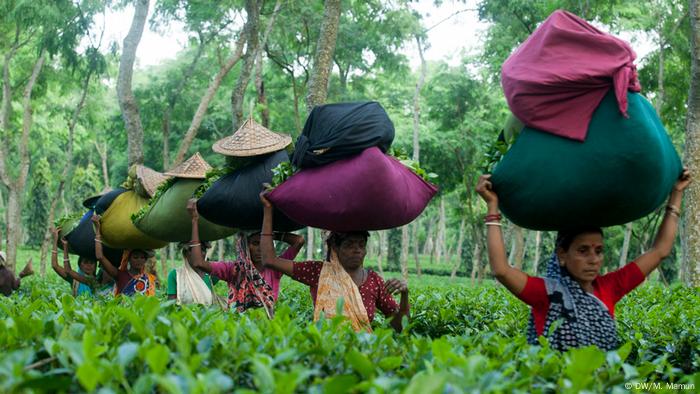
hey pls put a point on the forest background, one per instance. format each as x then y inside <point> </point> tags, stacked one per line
<point>76,112</point>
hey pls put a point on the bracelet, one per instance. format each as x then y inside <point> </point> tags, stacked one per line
<point>267,235</point>
<point>493,224</point>
<point>54,252</point>
<point>66,259</point>
<point>493,217</point>
<point>98,240</point>
<point>195,244</point>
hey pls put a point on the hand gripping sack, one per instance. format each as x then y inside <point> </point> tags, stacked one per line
<point>370,191</point>
<point>624,170</point>
<point>118,231</point>
<point>336,131</point>
<point>81,241</point>
<point>167,218</point>
<point>234,199</point>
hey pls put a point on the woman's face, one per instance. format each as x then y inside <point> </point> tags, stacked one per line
<point>88,267</point>
<point>584,258</point>
<point>254,248</point>
<point>187,252</point>
<point>352,251</point>
<point>138,260</point>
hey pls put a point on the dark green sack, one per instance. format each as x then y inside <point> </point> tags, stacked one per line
<point>623,171</point>
<point>166,217</point>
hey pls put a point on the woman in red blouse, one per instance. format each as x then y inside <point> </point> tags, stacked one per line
<point>573,292</point>
<point>349,249</point>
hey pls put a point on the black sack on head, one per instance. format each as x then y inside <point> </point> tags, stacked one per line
<point>81,241</point>
<point>234,200</point>
<point>336,131</point>
<point>106,200</point>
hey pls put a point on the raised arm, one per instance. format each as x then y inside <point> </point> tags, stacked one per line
<point>512,278</point>
<point>54,254</point>
<point>196,257</point>
<point>269,257</point>
<point>106,264</point>
<point>67,267</point>
<point>663,243</point>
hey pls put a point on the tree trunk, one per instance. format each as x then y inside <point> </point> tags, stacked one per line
<point>382,252</point>
<point>416,257</point>
<point>476,263</point>
<point>625,245</point>
<point>206,99</point>
<point>460,240</point>
<point>259,83</point>
<point>252,8</point>
<point>127,101</point>
<point>691,216</point>
<point>404,252</point>
<point>416,102</point>
<point>164,263</point>
<point>310,243</point>
<point>297,115</point>
<point>428,245</point>
<point>323,59</point>
<point>440,239</point>
<point>66,171</point>
<point>16,187</point>
<point>102,152</point>
<point>517,251</point>
<point>538,243</point>
<point>394,250</point>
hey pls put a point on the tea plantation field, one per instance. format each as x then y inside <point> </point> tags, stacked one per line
<point>460,339</point>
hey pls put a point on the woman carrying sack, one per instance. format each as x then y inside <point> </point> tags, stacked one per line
<point>572,291</point>
<point>251,284</point>
<point>342,276</point>
<point>131,277</point>
<point>190,285</point>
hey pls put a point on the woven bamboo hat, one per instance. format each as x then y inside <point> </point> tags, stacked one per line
<point>251,139</point>
<point>149,179</point>
<point>194,168</point>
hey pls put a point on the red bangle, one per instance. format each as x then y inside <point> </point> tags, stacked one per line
<point>492,218</point>
<point>269,235</point>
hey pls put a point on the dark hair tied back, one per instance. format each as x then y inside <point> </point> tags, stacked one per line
<point>566,237</point>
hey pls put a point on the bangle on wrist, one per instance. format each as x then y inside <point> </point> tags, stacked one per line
<point>98,240</point>
<point>493,224</point>
<point>267,234</point>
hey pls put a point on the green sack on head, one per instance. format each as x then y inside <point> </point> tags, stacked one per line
<point>624,170</point>
<point>117,229</point>
<point>167,218</point>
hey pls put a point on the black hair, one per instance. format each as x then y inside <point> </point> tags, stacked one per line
<point>336,238</point>
<point>566,237</point>
<point>82,260</point>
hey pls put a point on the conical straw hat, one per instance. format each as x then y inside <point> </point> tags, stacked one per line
<point>194,168</point>
<point>251,139</point>
<point>149,179</point>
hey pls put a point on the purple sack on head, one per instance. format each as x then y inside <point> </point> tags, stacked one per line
<point>370,191</point>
